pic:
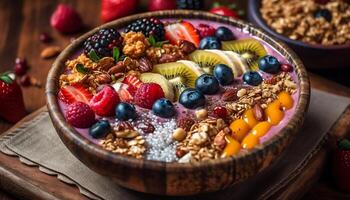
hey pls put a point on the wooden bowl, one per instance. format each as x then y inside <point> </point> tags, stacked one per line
<point>313,56</point>
<point>175,178</point>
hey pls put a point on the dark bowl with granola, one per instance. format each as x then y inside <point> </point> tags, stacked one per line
<point>318,31</point>
<point>177,102</point>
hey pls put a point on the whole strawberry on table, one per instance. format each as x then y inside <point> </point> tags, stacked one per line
<point>341,165</point>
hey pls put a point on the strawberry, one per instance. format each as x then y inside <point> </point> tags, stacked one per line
<point>341,165</point>
<point>114,9</point>
<point>224,11</point>
<point>80,115</point>
<point>147,94</point>
<point>182,31</point>
<point>12,106</point>
<point>133,82</point>
<point>123,92</point>
<point>205,30</point>
<point>154,5</point>
<point>104,102</point>
<point>73,93</point>
<point>65,19</point>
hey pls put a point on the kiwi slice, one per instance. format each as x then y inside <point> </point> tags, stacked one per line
<point>181,74</point>
<point>162,81</point>
<point>207,60</point>
<point>249,49</point>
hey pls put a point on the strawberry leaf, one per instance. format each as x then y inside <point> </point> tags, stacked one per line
<point>6,79</point>
<point>121,58</point>
<point>93,56</point>
<point>344,144</point>
<point>116,53</point>
<point>81,69</point>
<point>152,40</point>
<point>160,43</point>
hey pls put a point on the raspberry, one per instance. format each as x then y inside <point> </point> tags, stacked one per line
<point>220,111</point>
<point>104,102</point>
<point>205,30</point>
<point>80,115</point>
<point>65,19</point>
<point>147,94</point>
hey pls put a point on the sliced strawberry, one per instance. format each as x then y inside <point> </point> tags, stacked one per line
<point>182,31</point>
<point>73,93</point>
<point>123,92</point>
<point>133,82</point>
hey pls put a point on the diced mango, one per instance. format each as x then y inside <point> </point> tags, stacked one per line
<point>286,100</point>
<point>274,113</point>
<point>232,147</point>
<point>249,118</point>
<point>250,141</point>
<point>261,129</point>
<point>239,129</point>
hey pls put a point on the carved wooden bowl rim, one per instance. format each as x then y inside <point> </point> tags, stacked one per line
<point>87,146</point>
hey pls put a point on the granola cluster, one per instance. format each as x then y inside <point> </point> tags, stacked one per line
<point>297,20</point>
<point>135,44</point>
<point>164,54</point>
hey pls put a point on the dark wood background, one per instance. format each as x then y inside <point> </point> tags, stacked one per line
<point>22,21</point>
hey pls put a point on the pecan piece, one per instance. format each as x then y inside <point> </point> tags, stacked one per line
<point>258,112</point>
<point>103,78</point>
<point>165,58</point>
<point>145,65</point>
<point>187,47</point>
<point>118,68</point>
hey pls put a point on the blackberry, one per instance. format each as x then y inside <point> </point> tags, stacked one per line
<point>190,4</point>
<point>148,26</point>
<point>103,42</point>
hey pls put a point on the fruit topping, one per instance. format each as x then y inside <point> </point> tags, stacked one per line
<point>269,64</point>
<point>80,115</point>
<point>147,94</point>
<point>100,129</point>
<point>167,87</point>
<point>232,147</point>
<point>286,100</point>
<point>163,108</point>
<point>104,102</point>
<point>21,66</point>
<point>250,141</point>
<point>190,4</point>
<point>249,49</point>
<point>205,30</point>
<point>114,9</point>
<point>148,26</point>
<point>239,129</point>
<point>207,60</point>
<point>274,113</point>
<point>207,84</point>
<point>65,19</point>
<point>182,74</point>
<point>73,93</point>
<point>154,5</point>
<point>182,31</point>
<point>286,68</point>
<point>252,78</point>
<point>103,42</point>
<point>133,82</point>
<point>185,123</point>
<point>12,106</point>
<point>123,92</point>
<point>224,74</point>
<point>220,112</point>
<point>260,129</point>
<point>125,111</point>
<point>210,42</point>
<point>224,34</point>
<point>192,98</point>
<point>325,13</point>
<point>224,11</point>
<point>249,118</point>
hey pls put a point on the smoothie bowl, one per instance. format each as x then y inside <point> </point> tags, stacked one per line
<point>177,102</point>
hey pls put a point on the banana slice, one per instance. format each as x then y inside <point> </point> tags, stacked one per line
<point>239,61</point>
<point>231,62</point>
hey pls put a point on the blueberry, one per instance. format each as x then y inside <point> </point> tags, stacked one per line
<point>269,64</point>
<point>224,74</point>
<point>210,43</point>
<point>125,111</point>
<point>163,108</point>
<point>99,129</point>
<point>252,78</point>
<point>207,84</point>
<point>224,34</point>
<point>192,98</point>
<point>324,13</point>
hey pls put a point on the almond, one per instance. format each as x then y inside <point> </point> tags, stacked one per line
<point>258,112</point>
<point>118,68</point>
<point>229,95</point>
<point>50,52</point>
<point>219,140</point>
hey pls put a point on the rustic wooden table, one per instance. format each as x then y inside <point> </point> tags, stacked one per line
<point>23,21</point>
